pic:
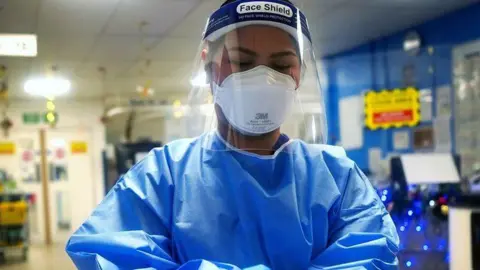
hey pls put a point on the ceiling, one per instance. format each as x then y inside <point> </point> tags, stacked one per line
<point>79,36</point>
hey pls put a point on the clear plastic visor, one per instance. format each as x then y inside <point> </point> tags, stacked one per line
<point>255,88</point>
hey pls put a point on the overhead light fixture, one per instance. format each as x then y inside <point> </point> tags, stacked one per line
<point>178,114</point>
<point>200,80</point>
<point>177,103</point>
<point>50,88</point>
<point>145,91</point>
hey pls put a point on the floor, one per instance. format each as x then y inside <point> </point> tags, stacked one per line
<point>40,258</point>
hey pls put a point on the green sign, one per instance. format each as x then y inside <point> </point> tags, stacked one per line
<point>34,118</point>
<point>31,118</point>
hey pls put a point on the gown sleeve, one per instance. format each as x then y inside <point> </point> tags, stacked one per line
<point>362,234</point>
<point>130,227</point>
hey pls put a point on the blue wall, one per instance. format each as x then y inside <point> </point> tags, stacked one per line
<point>379,65</point>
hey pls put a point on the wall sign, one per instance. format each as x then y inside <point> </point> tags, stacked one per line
<point>426,105</point>
<point>147,102</point>
<point>392,108</point>
<point>7,148</point>
<point>78,147</point>
<point>35,118</point>
<point>18,45</point>
<point>443,101</point>
<point>31,118</point>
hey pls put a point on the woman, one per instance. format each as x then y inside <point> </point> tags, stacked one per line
<point>244,195</point>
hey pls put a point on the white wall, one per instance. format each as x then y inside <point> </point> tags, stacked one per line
<point>78,121</point>
<point>72,115</point>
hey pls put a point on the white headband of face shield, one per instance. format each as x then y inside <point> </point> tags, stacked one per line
<point>256,101</point>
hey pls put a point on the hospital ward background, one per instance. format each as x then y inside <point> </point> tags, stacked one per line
<point>89,87</point>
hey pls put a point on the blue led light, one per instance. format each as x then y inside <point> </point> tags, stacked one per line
<point>384,198</point>
<point>408,263</point>
<point>418,228</point>
<point>410,213</point>
<point>425,247</point>
<point>418,204</point>
<point>402,228</point>
<point>432,203</point>
<point>385,192</point>
<point>441,244</point>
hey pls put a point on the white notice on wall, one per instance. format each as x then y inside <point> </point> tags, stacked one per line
<point>443,102</point>
<point>401,140</point>
<point>426,105</point>
<point>375,159</point>
<point>442,135</point>
<point>351,122</point>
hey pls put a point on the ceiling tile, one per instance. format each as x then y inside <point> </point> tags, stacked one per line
<point>194,24</point>
<point>159,69</point>
<point>335,26</point>
<point>66,48</point>
<point>74,16</point>
<point>87,88</point>
<point>176,49</point>
<point>90,70</point>
<point>16,62</point>
<point>411,4</point>
<point>41,67</point>
<point>18,16</point>
<point>115,48</point>
<point>318,7</point>
<point>160,15</point>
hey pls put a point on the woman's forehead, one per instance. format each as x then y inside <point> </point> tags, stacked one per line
<point>259,37</point>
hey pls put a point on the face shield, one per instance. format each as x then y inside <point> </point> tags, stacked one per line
<point>256,79</point>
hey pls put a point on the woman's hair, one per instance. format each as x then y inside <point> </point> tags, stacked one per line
<point>231,1</point>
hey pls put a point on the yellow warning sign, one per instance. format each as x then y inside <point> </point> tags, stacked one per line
<point>392,108</point>
<point>7,148</point>
<point>78,147</point>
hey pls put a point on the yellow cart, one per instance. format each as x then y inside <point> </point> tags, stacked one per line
<point>14,224</point>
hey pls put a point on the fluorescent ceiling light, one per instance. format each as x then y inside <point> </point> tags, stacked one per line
<point>200,80</point>
<point>18,45</point>
<point>145,91</point>
<point>47,87</point>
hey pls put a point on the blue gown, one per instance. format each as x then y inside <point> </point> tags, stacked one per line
<point>189,207</point>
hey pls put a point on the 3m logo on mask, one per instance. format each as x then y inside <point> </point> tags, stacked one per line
<point>265,7</point>
<point>261,116</point>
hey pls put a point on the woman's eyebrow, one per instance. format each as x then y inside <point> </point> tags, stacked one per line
<point>283,54</point>
<point>243,50</point>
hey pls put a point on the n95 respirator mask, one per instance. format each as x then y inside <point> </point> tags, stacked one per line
<point>256,101</point>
